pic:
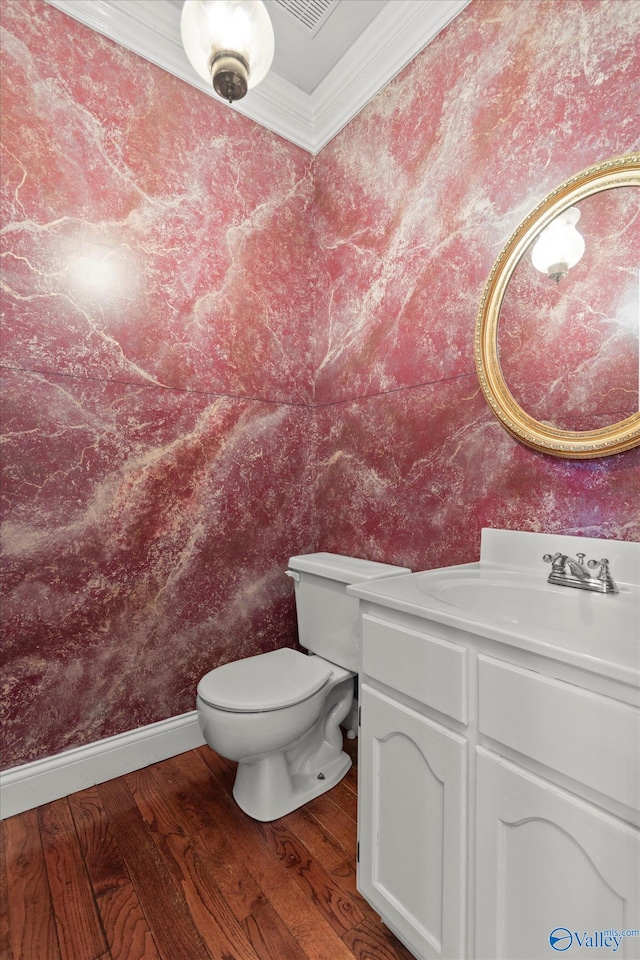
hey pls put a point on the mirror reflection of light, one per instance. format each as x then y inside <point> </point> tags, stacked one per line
<point>560,246</point>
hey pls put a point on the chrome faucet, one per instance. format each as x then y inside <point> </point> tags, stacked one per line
<point>577,575</point>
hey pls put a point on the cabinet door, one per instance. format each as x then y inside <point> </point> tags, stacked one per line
<point>554,874</point>
<point>412,819</point>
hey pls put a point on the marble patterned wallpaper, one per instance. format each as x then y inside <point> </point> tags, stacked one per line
<point>219,351</point>
<point>158,436</point>
<point>415,200</point>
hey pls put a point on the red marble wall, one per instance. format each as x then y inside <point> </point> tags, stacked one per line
<point>158,439</point>
<point>415,199</point>
<point>183,409</point>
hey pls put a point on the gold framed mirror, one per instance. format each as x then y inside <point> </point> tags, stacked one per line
<point>532,411</point>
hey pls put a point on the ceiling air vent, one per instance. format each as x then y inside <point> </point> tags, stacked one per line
<point>310,14</point>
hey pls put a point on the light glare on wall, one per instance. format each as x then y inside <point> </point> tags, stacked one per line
<point>102,275</point>
<point>560,246</point>
<point>229,43</point>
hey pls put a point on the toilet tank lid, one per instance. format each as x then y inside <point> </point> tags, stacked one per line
<point>334,566</point>
<point>268,681</point>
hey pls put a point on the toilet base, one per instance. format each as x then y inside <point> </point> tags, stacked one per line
<point>266,790</point>
<point>278,783</point>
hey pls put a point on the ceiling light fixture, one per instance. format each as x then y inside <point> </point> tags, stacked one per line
<point>229,42</point>
<point>559,247</point>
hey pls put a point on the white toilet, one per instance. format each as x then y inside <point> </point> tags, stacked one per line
<point>278,714</point>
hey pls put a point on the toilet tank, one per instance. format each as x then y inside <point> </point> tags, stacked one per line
<point>327,617</point>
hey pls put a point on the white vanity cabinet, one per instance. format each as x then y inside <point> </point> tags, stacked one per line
<point>499,793</point>
<point>412,816</point>
<point>549,864</point>
<point>413,787</point>
<point>549,851</point>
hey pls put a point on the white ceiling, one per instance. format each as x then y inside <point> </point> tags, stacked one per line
<point>307,51</point>
<point>332,56</point>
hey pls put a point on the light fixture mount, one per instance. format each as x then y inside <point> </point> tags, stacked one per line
<point>557,271</point>
<point>229,74</point>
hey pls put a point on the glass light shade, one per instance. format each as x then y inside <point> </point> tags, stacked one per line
<point>236,29</point>
<point>559,247</point>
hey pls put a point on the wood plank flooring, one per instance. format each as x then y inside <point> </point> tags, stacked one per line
<point>161,864</point>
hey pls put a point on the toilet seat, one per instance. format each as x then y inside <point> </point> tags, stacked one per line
<point>268,681</point>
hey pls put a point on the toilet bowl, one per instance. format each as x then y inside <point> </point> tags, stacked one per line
<point>278,714</point>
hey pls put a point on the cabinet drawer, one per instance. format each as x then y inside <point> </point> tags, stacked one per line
<point>589,737</point>
<point>430,670</point>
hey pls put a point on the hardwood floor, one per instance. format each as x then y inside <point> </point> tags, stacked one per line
<point>161,864</point>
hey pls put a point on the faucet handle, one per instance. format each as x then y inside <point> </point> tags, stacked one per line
<point>604,574</point>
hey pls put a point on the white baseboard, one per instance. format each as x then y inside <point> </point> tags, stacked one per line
<point>33,784</point>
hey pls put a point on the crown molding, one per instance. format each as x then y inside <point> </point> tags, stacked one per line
<point>386,46</point>
<point>151,28</point>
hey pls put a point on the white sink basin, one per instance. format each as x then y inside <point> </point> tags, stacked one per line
<point>506,597</point>
<point>511,596</point>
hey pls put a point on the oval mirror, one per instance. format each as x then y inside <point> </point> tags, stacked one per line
<point>558,330</point>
